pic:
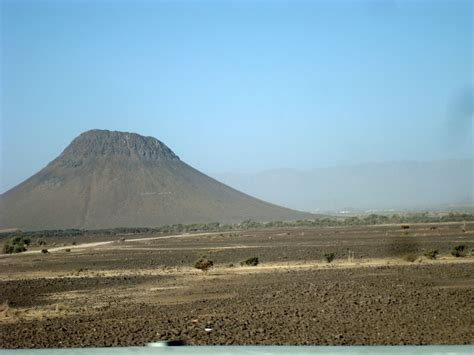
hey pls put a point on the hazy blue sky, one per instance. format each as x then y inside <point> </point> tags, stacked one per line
<point>238,86</point>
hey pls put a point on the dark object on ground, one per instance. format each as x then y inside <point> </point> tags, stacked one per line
<point>253,261</point>
<point>44,251</point>
<point>329,257</point>
<point>459,251</point>
<point>168,343</point>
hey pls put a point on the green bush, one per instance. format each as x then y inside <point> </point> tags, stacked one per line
<point>19,248</point>
<point>329,257</point>
<point>16,244</point>
<point>253,261</point>
<point>431,254</point>
<point>458,251</point>
<point>203,263</point>
<point>16,240</point>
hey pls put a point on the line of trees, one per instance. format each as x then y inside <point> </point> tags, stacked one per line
<point>372,219</point>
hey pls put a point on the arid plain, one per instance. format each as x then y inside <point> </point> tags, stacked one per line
<point>128,290</point>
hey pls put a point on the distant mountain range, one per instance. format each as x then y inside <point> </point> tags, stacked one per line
<point>106,179</point>
<point>372,186</point>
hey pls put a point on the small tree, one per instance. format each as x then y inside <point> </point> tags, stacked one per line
<point>16,245</point>
<point>329,257</point>
<point>16,240</point>
<point>203,263</point>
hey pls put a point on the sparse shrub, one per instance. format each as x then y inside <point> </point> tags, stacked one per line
<point>67,250</point>
<point>26,241</point>
<point>231,265</point>
<point>203,263</point>
<point>253,261</point>
<point>7,248</point>
<point>410,258</point>
<point>41,242</point>
<point>459,251</point>
<point>44,251</point>
<point>329,257</point>
<point>74,243</point>
<point>431,254</point>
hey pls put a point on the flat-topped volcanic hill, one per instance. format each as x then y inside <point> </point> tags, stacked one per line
<point>107,179</point>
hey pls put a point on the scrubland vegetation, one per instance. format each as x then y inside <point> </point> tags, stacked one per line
<point>329,221</point>
<point>203,263</point>
<point>253,261</point>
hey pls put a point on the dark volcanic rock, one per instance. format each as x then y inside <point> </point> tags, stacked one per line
<point>97,143</point>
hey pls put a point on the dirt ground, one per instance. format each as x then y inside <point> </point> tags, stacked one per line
<point>144,289</point>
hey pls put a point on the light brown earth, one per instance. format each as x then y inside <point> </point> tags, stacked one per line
<point>144,290</point>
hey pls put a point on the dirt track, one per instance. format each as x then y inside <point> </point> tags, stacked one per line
<point>145,290</point>
<point>108,242</point>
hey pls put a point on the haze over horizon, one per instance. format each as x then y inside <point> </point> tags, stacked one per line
<point>367,187</point>
<point>240,87</point>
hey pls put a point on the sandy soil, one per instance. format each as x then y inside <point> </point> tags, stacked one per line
<point>145,290</point>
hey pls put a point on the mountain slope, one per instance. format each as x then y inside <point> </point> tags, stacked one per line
<point>107,179</point>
